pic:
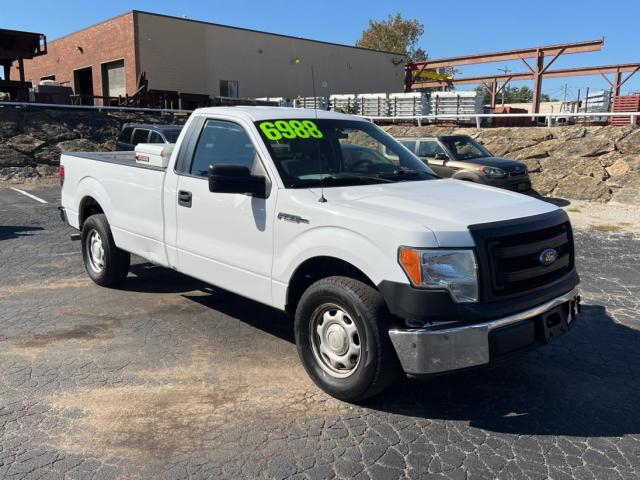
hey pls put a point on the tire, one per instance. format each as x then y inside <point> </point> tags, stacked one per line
<point>109,266</point>
<point>360,311</point>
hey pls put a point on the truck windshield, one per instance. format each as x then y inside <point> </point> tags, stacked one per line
<point>307,152</point>
<point>464,147</point>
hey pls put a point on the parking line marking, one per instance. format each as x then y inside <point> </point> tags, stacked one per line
<point>37,199</point>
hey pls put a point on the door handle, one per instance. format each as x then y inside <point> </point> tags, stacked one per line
<point>184,198</point>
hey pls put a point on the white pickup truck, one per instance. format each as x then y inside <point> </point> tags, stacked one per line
<point>385,267</point>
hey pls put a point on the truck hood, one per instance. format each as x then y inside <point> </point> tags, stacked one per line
<point>446,207</point>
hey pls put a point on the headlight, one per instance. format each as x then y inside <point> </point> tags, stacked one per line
<point>492,172</point>
<point>452,270</point>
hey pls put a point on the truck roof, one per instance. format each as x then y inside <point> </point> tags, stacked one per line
<point>257,113</point>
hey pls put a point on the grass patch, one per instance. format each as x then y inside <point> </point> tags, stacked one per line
<point>574,209</point>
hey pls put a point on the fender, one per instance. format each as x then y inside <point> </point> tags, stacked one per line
<point>90,187</point>
<point>352,248</point>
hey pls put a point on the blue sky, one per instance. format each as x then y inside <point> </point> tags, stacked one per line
<point>451,28</point>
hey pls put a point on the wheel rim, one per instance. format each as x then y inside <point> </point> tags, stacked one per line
<point>95,251</point>
<point>335,341</point>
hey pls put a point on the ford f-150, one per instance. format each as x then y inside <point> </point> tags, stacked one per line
<point>384,266</point>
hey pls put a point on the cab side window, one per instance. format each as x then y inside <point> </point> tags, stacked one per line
<point>125,135</point>
<point>155,137</point>
<point>140,135</point>
<point>429,148</point>
<point>222,143</point>
<point>410,144</point>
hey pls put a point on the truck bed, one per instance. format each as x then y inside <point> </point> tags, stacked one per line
<point>121,158</point>
<point>130,194</point>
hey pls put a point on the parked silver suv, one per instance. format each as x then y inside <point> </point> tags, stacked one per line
<point>462,158</point>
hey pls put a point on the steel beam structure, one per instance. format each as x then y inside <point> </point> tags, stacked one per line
<point>618,71</point>
<point>578,47</point>
<point>564,72</point>
<point>413,70</point>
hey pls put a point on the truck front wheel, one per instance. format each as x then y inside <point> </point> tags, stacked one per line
<point>341,328</point>
<point>105,263</point>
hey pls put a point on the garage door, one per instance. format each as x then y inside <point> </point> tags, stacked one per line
<point>113,80</point>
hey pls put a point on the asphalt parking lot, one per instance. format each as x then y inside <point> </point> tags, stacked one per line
<point>170,378</point>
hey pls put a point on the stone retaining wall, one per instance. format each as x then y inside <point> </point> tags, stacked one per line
<point>31,140</point>
<point>573,162</point>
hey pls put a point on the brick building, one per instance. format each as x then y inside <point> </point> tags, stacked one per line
<point>194,57</point>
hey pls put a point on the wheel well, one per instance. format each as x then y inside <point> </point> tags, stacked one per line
<point>317,268</point>
<point>88,206</point>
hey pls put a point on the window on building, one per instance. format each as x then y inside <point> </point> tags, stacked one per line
<point>229,88</point>
<point>113,79</point>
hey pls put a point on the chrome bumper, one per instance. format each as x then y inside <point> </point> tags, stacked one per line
<point>436,349</point>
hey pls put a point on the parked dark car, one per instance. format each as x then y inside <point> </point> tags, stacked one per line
<point>462,158</point>
<point>131,135</point>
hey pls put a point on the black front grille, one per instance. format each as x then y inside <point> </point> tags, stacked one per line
<point>509,255</point>
<point>517,174</point>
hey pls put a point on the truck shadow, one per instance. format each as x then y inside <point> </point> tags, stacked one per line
<point>584,384</point>
<point>9,232</point>
<point>149,278</point>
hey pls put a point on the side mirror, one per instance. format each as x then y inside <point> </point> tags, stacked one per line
<point>236,179</point>
<point>441,156</point>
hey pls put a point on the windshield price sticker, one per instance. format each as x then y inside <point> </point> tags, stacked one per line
<point>290,129</point>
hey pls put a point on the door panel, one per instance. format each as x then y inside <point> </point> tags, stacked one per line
<point>225,239</point>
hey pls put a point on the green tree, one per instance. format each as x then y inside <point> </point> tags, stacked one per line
<point>395,34</point>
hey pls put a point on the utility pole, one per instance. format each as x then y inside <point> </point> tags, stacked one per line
<point>504,70</point>
<point>565,90</point>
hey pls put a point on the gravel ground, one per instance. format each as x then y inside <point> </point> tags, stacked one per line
<point>170,378</point>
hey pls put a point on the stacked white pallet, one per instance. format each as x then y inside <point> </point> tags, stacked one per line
<point>374,104</point>
<point>318,103</point>
<point>446,105</point>
<point>408,104</point>
<point>598,101</point>
<point>281,101</point>
<point>344,103</point>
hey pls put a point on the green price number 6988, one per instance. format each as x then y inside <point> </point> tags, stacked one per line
<point>290,129</point>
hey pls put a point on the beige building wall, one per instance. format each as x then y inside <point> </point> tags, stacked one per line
<point>192,57</point>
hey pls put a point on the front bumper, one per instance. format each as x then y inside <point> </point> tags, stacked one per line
<point>515,184</point>
<point>444,348</point>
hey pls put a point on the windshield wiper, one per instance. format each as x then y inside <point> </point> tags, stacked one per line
<point>333,179</point>
<point>403,171</point>
<point>349,176</point>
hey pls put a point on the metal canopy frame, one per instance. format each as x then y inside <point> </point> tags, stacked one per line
<point>536,72</point>
<point>491,81</point>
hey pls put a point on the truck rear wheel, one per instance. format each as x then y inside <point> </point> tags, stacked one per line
<point>341,328</point>
<point>105,263</point>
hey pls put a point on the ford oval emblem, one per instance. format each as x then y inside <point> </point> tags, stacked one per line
<point>548,256</point>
